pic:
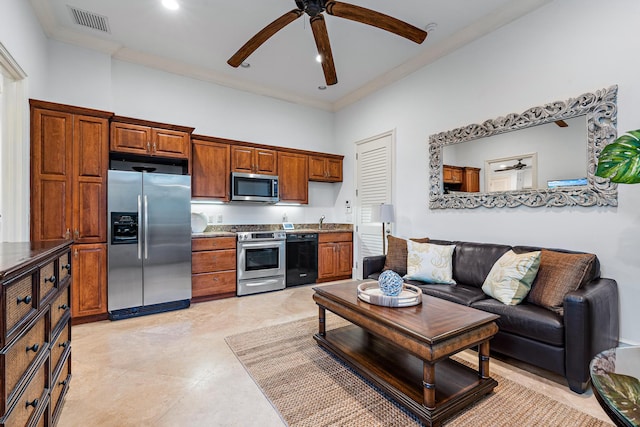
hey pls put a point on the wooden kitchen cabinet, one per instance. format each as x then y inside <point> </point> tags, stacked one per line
<point>325,169</point>
<point>89,292</point>
<point>335,256</point>
<point>213,268</point>
<point>141,137</point>
<point>461,178</point>
<point>470,180</point>
<point>451,174</point>
<point>254,160</point>
<point>293,177</point>
<point>210,170</point>
<point>69,163</point>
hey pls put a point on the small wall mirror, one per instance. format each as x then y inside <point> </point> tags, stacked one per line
<point>545,156</point>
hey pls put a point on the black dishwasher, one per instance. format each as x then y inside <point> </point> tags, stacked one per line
<point>302,258</point>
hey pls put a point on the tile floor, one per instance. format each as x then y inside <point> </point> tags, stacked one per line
<point>175,369</point>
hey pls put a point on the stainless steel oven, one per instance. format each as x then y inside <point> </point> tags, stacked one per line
<point>261,262</point>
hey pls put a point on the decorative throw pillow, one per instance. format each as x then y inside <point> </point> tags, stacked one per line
<point>397,254</point>
<point>510,278</point>
<point>430,263</point>
<point>559,274</point>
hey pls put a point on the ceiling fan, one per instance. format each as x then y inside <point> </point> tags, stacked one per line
<point>517,166</point>
<point>315,8</point>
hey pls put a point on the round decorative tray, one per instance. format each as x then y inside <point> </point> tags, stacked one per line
<point>371,293</point>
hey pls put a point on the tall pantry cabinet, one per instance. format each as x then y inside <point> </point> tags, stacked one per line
<point>69,163</point>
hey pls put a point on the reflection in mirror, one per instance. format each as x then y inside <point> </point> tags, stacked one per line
<point>549,161</point>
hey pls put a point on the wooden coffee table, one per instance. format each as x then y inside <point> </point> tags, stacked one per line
<point>405,351</point>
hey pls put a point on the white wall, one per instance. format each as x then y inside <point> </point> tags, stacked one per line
<point>559,51</point>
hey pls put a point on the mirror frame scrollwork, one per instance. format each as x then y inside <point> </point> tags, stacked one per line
<point>600,109</point>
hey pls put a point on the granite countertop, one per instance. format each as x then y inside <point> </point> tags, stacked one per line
<point>232,230</point>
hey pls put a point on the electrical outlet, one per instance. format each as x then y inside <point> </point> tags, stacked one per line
<point>219,218</point>
<point>285,218</point>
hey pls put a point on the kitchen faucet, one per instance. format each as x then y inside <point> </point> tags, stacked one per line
<point>320,222</point>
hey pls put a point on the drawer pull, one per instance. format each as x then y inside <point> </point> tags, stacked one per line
<point>33,348</point>
<point>51,279</point>
<point>66,266</point>
<point>25,300</point>
<point>33,403</point>
<point>63,383</point>
<point>64,344</point>
<point>63,307</point>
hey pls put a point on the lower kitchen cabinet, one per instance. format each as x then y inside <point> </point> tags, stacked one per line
<point>213,268</point>
<point>89,292</point>
<point>335,256</point>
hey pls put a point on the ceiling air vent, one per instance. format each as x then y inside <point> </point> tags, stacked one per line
<point>89,19</point>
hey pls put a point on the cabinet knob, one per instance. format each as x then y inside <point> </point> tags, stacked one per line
<point>64,344</point>
<point>33,348</point>
<point>51,279</point>
<point>25,300</point>
<point>154,147</point>
<point>33,403</point>
<point>63,383</point>
<point>148,146</point>
<point>76,234</point>
<point>66,267</point>
<point>67,234</point>
<point>75,253</point>
<point>63,307</point>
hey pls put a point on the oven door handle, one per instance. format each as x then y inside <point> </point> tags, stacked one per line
<point>262,245</point>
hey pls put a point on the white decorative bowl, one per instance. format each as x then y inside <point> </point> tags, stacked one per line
<point>371,293</point>
<point>198,222</point>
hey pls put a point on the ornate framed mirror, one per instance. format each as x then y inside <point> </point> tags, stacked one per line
<point>566,138</point>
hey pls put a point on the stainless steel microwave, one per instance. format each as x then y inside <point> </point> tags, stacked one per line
<point>250,187</point>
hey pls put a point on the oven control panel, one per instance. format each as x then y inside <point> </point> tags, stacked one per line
<point>261,235</point>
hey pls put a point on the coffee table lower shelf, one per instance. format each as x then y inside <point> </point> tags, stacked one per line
<point>399,374</point>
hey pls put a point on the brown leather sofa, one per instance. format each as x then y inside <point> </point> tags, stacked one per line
<point>563,343</point>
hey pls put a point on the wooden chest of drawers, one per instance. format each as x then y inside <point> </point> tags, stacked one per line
<point>35,331</point>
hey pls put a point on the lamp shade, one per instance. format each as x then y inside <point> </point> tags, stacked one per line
<point>386,213</point>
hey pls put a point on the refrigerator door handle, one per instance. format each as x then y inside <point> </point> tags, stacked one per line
<point>146,227</point>
<point>139,216</point>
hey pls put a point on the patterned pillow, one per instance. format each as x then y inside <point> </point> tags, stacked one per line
<point>559,274</point>
<point>430,263</point>
<point>397,254</point>
<point>510,278</point>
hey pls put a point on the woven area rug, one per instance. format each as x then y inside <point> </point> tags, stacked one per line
<point>310,387</point>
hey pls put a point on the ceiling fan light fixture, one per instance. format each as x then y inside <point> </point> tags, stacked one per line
<point>245,65</point>
<point>319,58</point>
<point>171,4</point>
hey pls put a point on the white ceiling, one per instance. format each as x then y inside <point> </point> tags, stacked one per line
<point>202,35</point>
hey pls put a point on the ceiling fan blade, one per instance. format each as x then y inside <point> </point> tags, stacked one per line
<point>376,19</point>
<point>324,49</point>
<point>262,36</point>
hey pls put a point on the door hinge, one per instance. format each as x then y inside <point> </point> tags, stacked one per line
<point>356,192</point>
<point>356,228</point>
<point>356,156</point>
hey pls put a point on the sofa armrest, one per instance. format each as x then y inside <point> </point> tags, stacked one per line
<point>372,264</point>
<point>592,323</point>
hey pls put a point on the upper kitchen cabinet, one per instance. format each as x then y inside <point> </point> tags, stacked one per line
<point>147,138</point>
<point>210,169</point>
<point>325,168</point>
<point>293,177</point>
<point>254,160</point>
<point>69,163</point>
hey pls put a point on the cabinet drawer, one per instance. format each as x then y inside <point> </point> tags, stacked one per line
<point>207,284</point>
<point>210,261</point>
<point>47,280</point>
<point>64,267</point>
<point>335,237</point>
<point>30,402</point>
<point>60,344</point>
<point>213,243</point>
<point>60,307</point>
<point>60,385</point>
<point>19,302</point>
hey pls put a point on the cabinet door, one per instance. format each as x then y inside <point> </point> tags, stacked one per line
<point>265,161</point>
<point>293,177</point>
<point>210,170</point>
<point>317,168</point>
<point>326,260</point>
<point>170,143</point>
<point>89,286</point>
<point>90,165</point>
<point>51,174</point>
<point>129,138</point>
<point>241,159</point>
<point>344,255</point>
<point>334,170</point>
<point>471,181</point>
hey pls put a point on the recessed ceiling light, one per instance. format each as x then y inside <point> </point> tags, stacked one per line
<point>322,87</point>
<point>245,65</point>
<point>171,4</point>
<point>319,58</point>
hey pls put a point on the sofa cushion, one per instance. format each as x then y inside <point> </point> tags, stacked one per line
<point>473,261</point>
<point>510,278</point>
<point>559,274</point>
<point>430,263</point>
<point>527,320</point>
<point>461,294</point>
<point>396,259</point>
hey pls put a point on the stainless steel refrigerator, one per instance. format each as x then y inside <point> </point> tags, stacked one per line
<point>149,243</point>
